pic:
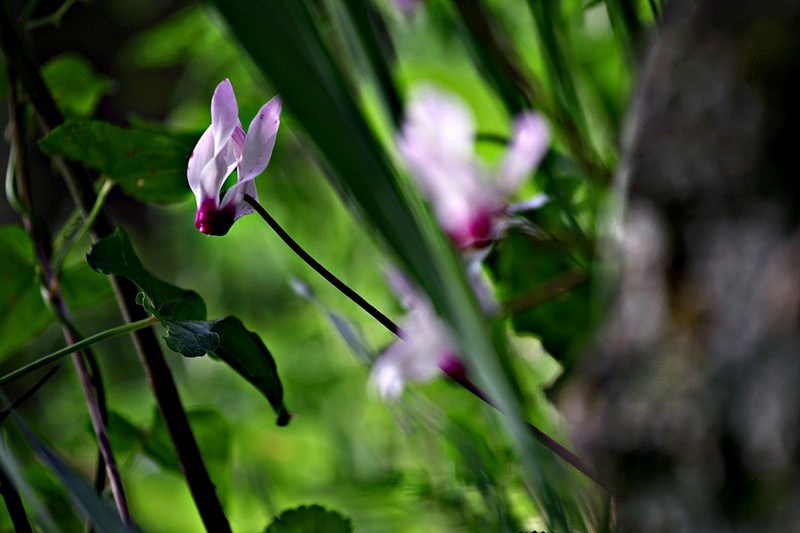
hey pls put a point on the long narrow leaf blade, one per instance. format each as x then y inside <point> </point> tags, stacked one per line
<point>282,39</point>
<point>87,502</point>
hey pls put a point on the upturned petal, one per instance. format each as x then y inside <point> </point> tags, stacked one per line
<point>436,142</point>
<point>529,144</point>
<point>260,140</point>
<point>234,198</point>
<point>203,153</point>
<point>224,114</point>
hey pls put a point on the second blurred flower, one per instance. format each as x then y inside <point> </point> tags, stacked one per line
<point>437,143</point>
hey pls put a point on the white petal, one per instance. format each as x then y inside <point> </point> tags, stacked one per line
<point>260,140</point>
<point>417,356</point>
<point>224,114</point>
<point>437,140</point>
<point>528,205</point>
<point>529,144</point>
<point>216,171</point>
<point>235,197</point>
<point>202,154</point>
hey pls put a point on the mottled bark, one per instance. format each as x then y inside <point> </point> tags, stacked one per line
<point>689,401</point>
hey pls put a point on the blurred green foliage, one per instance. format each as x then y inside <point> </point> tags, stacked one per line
<point>439,459</point>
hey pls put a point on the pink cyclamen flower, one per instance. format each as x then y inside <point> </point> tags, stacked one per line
<point>425,349</point>
<point>224,147</point>
<point>437,143</point>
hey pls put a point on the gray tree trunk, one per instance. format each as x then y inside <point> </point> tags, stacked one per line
<point>689,402</point>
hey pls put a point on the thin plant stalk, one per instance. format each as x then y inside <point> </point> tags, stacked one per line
<point>52,292</point>
<point>462,380</point>
<point>321,270</point>
<point>16,510</point>
<point>102,194</point>
<point>202,489</point>
<point>78,346</point>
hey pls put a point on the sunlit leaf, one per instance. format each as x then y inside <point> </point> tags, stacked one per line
<point>149,166</point>
<point>76,87</point>
<point>310,519</point>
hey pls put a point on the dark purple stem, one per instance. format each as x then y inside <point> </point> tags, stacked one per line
<point>52,292</point>
<point>321,270</point>
<point>576,462</point>
<point>457,376</point>
<point>18,55</point>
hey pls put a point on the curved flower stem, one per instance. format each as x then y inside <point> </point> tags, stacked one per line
<point>80,345</point>
<point>321,270</point>
<point>459,378</point>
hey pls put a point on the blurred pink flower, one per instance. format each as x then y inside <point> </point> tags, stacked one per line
<point>223,147</point>
<point>437,143</point>
<point>425,348</point>
<point>424,344</point>
<point>407,7</point>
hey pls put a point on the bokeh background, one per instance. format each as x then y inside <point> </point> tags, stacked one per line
<point>434,461</point>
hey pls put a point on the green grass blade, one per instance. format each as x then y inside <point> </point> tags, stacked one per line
<point>281,38</point>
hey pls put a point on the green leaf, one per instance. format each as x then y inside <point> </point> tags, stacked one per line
<point>24,314</point>
<point>310,519</point>
<point>15,473</point>
<point>192,338</point>
<point>183,313</point>
<point>89,505</point>
<point>562,322</point>
<point>83,289</point>
<point>76,87</point>
<point>377,47</point>
<point>494,56</point>
<point>246,353</point>
<point>115,255</point>
<point>148,165</point>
